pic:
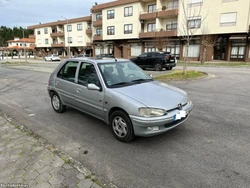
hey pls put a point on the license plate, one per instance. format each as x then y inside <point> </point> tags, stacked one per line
<point>171,60</point>
<point>180,115</point>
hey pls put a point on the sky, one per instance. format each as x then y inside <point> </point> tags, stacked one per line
<point>30,12</point>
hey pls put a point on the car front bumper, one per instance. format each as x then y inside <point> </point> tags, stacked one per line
<point>162,124</point>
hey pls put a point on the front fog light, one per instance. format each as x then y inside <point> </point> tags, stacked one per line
<point>155,128</point>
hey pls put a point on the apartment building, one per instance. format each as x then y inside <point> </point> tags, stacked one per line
<point>215,29</point>
<point>64,37</point>
<point>130,27</point>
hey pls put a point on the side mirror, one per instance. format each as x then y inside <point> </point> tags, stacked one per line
<point>151,75</point>
<point>93,87</point>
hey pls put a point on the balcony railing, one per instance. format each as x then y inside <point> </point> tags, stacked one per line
<point>57,34</point>
<point>57,45</point>
<point>97,37</point>
<point>154,34</point>
<point>97,23</point>
<point>89,31</point>
<point>160,13</point>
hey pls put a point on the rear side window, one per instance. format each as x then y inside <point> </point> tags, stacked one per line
<point>68,71</point>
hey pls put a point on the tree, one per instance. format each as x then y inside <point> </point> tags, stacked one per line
<point>206,41</point>
<point>191,22</point>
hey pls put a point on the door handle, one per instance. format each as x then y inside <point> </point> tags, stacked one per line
<point>57,82</point>
<point>78,90</point>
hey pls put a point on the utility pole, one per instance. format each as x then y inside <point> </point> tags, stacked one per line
<point>24,48</point>
<point>68,36</point>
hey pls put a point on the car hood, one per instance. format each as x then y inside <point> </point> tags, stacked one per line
<point>155,94</point>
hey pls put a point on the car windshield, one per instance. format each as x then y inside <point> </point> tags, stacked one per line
<point>121,74</point>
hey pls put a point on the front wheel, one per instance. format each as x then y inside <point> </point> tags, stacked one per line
<point>169,68</point>
<point>158,67</point>
<point>57,103</point>
<point>121,126</point>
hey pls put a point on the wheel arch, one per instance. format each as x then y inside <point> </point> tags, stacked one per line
<point>117,109</point>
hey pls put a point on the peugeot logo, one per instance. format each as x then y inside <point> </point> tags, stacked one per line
<point>180,106</point>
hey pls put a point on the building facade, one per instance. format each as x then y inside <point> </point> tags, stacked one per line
<point>65,37</point>
<point>213,29</point>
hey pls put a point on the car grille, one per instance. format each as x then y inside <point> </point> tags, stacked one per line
<point>176,108</point>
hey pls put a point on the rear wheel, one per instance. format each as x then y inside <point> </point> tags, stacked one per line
<point>57,103</point>
<point>158,66</point>
<point>121,126</point>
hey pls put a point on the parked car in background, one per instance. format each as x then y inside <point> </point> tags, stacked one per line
<point>156,60</point>
<point>81,55</point>
<point>101,56</point>
<point>52,57</point>
<point>119,93</point>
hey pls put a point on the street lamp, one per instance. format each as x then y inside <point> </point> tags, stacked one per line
<point>24,47</point>
<point>68,36</point>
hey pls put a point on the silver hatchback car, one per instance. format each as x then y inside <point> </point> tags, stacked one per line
<point>118,92</point>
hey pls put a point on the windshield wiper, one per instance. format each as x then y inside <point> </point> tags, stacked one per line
<point>120,83</point>
<point>142,80</point>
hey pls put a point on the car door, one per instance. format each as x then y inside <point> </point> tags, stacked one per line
<point>65,82</point>
<point>141,60</point>
<point>89,101</point>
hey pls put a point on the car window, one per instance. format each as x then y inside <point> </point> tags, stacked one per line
<point>150,55</point>
<point>121,73</point>
<point>68,71</point>
<point>143,55</point>
<point>87,75</point>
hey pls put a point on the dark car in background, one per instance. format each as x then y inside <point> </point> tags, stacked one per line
<point>156,60</point>
<point>101,56</point>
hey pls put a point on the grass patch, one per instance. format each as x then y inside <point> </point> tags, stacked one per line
<point>214,64</point>
<point>15,63</point>
<point>178,75</point>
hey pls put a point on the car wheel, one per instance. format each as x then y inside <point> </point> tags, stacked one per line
<point>45,59</point>
<point>158,66</point>
<point>169,68</point>
<point>121,126</point>
<point>51,59</point>
<point>57,103</point>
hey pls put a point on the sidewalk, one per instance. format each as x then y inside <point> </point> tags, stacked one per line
<point>26,162</point>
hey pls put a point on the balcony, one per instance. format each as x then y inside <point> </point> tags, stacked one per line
<point>56,45</point>
<point>147,35</point>
<point>89,31</point>
<point>57,34</point>
<point>167,13</point>
<point>97,37</point>
<point>172,33</point>
<point>97,23</point>
<point>148,16</point>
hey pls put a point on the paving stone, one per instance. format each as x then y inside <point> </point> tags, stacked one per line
<point>45,162</point>
<point>37,148</point>
<point>67,166</point>
<point>57,171</point>
<point>80,176</point>
<point>24,158</point>
<point>70,173</point>
<point>16,180</point>
<point>44,177</point>
<point>43,185</point>
<point>32,183</point>
<point>95,186</point>
<point>44,169</point>
<point>21,165</point>
<point>58,162</point>
<point>18,173</point>
<point>32,167</point>
<point>31,175</point>
<point>55,180</point>
<point>87,183</point>
<point>71,181</point>
<point>57,186</point>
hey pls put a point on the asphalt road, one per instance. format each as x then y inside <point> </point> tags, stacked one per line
<point>211,149</point>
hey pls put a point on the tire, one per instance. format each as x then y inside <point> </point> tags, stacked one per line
<point>121,126</point>
<point>57,103</point>
<point>51,59</point>
<point>45,59</point>
<point>157,66</point>
<point>169,68</point>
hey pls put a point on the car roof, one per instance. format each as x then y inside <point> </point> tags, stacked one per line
<point>97,61</point>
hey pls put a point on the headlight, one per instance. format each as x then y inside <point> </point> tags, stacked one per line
<point>151,112</point>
